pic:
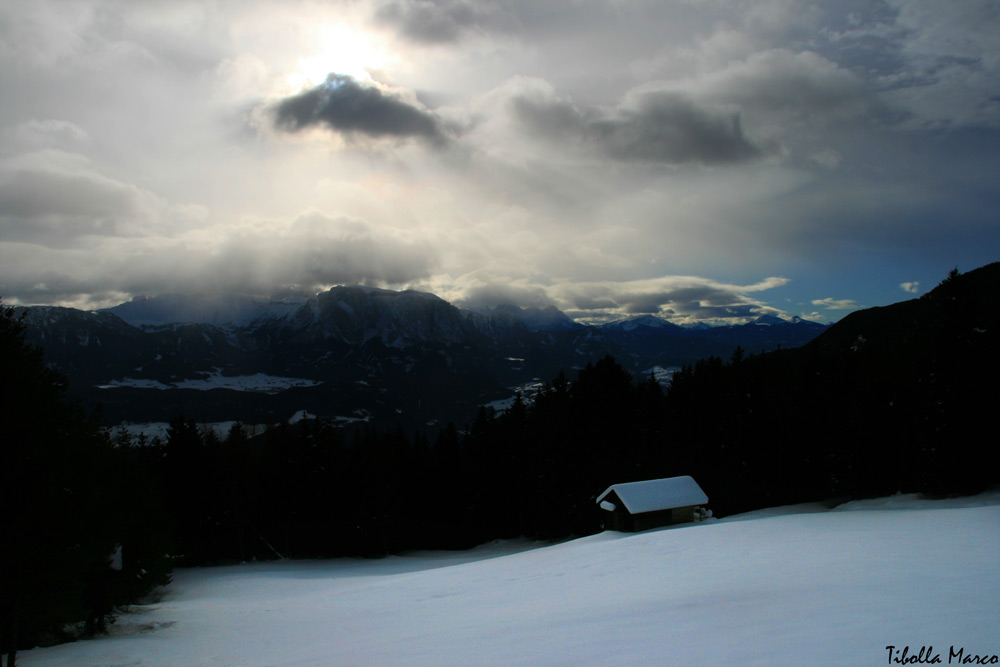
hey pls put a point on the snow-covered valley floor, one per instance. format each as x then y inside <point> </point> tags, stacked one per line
<point>788,586</point>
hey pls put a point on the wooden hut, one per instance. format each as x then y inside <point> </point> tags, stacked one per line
<point>636,506</point>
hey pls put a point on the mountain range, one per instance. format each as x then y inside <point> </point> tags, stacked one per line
<point>351,352</point>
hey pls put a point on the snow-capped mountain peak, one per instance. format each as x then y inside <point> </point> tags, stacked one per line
<point>768,320</point>
<point>638,322</point>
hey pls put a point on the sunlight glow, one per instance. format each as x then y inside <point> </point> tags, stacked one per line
<point>341,50</point>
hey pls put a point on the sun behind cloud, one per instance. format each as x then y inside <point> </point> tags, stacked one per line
<point>340,49</point>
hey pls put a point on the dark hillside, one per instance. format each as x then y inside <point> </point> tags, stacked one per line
<point>889,399</point>
<point>962,308</point>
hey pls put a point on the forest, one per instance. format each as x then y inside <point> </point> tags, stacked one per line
<point>889,400</point>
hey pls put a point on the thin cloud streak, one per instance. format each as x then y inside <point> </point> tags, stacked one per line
<point>836,304</point>
<point>681,299</point>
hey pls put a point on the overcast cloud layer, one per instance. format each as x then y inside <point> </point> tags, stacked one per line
<point>696,160</point>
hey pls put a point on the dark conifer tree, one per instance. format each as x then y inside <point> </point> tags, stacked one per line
<point>61,503</point>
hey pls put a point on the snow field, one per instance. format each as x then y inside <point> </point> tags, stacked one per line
<point>805,587</point>
<point>258,382</point>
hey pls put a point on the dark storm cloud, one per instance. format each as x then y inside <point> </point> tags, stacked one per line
<point>667,127</point>
<point>437,21</point>
<point>344,105</point>
<point>656,127</point>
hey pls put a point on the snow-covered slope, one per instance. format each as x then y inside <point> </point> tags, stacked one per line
<point>799,586</point>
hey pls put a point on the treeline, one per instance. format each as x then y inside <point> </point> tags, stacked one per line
<point>312,489</point>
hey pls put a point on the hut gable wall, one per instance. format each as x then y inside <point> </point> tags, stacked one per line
<point>619,518</point>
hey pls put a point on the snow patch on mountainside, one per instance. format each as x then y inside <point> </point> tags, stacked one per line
<point>299,416</point>
<point>135,383</point>
<point>258,382</point>
<point>662,375</point>
<point>527,390</point>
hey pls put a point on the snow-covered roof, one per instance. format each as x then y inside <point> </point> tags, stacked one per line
<point>657,494</point>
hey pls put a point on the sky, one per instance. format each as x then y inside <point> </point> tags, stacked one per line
<point>697,160</point>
